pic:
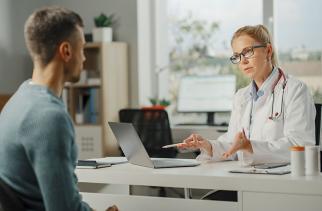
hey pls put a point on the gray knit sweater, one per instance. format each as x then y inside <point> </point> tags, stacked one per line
<point>37,150</point>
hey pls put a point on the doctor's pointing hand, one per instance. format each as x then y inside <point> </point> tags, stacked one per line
<point>274,112</point>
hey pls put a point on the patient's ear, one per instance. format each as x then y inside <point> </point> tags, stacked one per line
<point>65,51</point>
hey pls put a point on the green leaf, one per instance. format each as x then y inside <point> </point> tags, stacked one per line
<point>153,101</point>
<point>164,102</point>
<point>104,21</point>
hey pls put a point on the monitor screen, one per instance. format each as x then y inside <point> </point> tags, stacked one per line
<point>206,93</point>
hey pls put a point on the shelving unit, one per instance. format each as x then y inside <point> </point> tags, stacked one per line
<point>96,99</point>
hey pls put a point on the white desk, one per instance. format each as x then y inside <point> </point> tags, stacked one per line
<point>255,192</point>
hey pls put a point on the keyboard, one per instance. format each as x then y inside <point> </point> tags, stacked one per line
<point>163,163</point>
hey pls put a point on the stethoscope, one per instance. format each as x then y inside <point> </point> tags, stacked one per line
<point>273,116</point>
<point>276,115</point>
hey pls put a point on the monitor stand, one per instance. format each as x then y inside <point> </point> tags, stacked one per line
<point>210,121</point>
<point>211,118</point>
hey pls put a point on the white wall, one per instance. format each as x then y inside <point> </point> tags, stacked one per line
<point>15,63</point>
<point>153,56</point>
<point>126,31</point>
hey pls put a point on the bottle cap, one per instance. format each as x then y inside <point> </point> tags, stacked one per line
<point>297,148</point>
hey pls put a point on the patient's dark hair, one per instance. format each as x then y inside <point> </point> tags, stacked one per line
<point>46,28</point>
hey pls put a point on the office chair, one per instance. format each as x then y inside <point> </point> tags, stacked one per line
<point>8,199</point>
<point>153,127</point>
<point>318,128</point>
<point>317,123</point>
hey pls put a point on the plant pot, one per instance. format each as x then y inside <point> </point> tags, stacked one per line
<point>103,34</point>
<point>155,107</point>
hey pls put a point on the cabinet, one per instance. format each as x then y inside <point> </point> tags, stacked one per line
<point>98,96</point>
<point>253,201</point>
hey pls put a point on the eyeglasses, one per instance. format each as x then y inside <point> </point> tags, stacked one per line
<point>247,53</point>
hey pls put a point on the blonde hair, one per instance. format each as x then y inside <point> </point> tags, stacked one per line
<point>261,34</point>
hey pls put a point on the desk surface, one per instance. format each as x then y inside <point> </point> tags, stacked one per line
<point>209,175</point>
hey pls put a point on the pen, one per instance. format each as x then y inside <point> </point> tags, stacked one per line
<point>244,133</point>
<point>169,146</point>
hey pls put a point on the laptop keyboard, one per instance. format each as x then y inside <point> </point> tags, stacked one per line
<point>172,162</point>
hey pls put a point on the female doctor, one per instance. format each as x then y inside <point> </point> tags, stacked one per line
<point>274,112</point>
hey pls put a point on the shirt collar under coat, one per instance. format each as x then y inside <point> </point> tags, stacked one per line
<point>265,89</point>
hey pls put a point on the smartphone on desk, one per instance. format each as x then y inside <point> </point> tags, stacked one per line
<point>270,165</point>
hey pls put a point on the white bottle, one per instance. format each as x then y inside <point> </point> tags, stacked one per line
<point>297,161</point>
<point>312,160</point>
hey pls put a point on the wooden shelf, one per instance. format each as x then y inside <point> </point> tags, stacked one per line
<point>87,125</point>
<point>83,85</point>
<point>100,100</point>
<point>93,45</point>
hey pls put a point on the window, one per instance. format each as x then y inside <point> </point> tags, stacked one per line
<point>199,35</point>
<point>298,36</point>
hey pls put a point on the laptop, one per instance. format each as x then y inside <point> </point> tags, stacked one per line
<point>134,150</point>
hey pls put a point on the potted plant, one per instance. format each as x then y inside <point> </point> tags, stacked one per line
<point>157,104</point>
<point>103,28</point>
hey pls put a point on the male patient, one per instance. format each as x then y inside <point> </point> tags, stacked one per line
<point>37,148</point>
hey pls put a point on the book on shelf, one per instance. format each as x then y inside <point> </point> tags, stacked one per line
<point>84,105</point>
<point>88,105</point>
<point>91,107</point>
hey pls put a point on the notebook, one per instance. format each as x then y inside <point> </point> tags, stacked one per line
<point>92,164</point>
<point>134,150</point>
<point>274,171</point>
<point>97,163</point>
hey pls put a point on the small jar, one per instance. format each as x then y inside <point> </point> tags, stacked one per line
<point>312,160</point>
<point>297,161</point>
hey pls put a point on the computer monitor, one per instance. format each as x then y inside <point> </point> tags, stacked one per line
<point>209,94</point>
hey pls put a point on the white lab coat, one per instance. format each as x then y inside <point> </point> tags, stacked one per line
<point>270,139</point>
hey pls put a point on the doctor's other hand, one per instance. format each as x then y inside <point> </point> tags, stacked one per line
<point>112,208</point>
<point>240,143</point>
<point>195,141</point>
